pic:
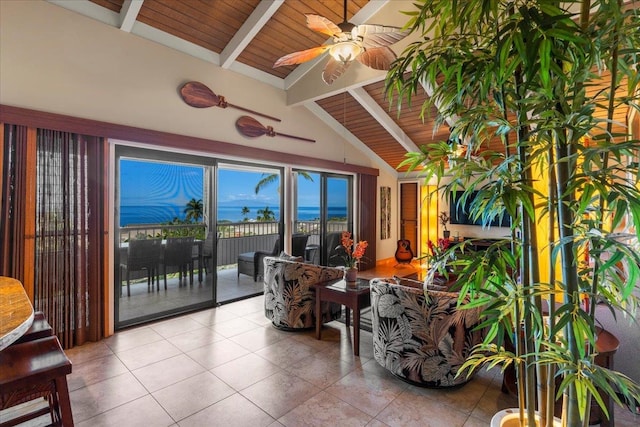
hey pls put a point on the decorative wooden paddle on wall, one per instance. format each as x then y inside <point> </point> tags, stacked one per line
<point>248,126</point>
<point>198,95</point>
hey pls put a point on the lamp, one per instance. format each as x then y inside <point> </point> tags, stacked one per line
<point>345,51</point>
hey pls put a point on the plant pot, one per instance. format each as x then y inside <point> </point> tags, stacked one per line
<point>351,274</point>
<point>446,234</point>
<point>511,418</point>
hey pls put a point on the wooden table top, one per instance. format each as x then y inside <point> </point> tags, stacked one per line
<point>16,311</point>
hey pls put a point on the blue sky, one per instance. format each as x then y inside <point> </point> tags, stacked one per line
<point>158,183</point>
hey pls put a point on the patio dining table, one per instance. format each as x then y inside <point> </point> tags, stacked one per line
<point>196,243</point>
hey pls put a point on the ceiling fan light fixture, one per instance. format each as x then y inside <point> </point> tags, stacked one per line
<point>345,51</point>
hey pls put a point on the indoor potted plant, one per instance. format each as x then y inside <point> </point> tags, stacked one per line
<point>444,220</point>
<point>352,255</point>
<point>534,108</point>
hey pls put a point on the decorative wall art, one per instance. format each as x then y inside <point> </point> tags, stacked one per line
<point>250,127</point>
<point>198,95</point>
<point>385,212</point>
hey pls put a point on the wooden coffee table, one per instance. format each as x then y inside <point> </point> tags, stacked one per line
<point>352,296</point>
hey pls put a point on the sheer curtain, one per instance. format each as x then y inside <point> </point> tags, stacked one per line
<point>66,202</point>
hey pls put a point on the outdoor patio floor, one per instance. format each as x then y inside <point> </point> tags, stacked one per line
<point>143,302</point>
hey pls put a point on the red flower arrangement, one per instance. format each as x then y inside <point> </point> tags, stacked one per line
<point>352,255</point>
<point>439,251</point>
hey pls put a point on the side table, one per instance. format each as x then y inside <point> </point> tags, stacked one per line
<point>352,296</point>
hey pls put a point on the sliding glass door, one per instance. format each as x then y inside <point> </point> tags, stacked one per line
<point>322,210</point>
<point>249,226</point>
<point>163,234</point>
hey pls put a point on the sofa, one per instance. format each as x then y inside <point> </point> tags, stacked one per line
<point>419,334</point>
<point>289,297</point>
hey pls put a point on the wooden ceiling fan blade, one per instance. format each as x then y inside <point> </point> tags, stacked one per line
<point>379,58</point>
<point>380,35</point>
<point>198,95</point>
<point>301,56</point>
<point>333,70</point>
<point>322,25</point>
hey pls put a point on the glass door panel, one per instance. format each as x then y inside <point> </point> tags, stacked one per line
<point>249,227</point>
<point>161,235</point>
<point>322,210</point>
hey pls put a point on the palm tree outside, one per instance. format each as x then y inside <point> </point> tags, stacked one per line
<point>194,210</point>
<point>266,214</point>
<point>270,178</point>
<point>245,212</point>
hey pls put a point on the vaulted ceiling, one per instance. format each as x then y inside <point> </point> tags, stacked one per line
<point>248,36</point>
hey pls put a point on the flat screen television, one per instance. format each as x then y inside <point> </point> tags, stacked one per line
<point>459,214</point>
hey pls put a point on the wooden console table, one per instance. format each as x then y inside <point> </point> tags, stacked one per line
<point>16,311</point>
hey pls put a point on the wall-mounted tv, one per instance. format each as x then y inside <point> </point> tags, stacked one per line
<point>459,214</point>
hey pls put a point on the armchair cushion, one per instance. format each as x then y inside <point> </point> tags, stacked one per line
<point>421,339</point>
<point>289,297</point>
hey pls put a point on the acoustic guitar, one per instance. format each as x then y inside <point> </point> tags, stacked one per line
<point>404,254</point>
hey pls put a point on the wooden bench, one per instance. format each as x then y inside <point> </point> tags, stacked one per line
<point>32,370</point>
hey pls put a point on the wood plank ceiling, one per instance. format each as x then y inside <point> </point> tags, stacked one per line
<point>248,36</point>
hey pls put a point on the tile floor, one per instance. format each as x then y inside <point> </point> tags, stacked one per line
<point>229,367</point>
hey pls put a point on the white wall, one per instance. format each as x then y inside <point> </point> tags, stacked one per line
<point>55,60</point>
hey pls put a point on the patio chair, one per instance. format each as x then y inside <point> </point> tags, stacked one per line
<point>335,252</point>
<point>299,244</point>
<point>142,255</point>
<point>251,263</point>
<point>177,253</point>
<point>208,250</point>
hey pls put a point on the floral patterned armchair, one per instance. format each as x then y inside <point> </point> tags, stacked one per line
<point>422,340</point>
<point>289,297</point>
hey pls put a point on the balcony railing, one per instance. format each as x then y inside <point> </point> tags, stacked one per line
<point>234,238</point>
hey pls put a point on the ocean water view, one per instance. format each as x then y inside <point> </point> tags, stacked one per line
<point>156,214</point>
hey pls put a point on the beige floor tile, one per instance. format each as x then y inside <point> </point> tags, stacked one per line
<point>321,370</point>
<point>474,422</point>
<point>322,410</point>
<point>247,306</point>
<point>175,326</point>
<point>131,338</point>
<point>464,398</point>
<point>212,316</point>
<point>258,338</point>
<point>187,397</point>
<point>235,410</point>
<point>95,370</point>
<point>217,353</point>
<point>196,338</point>
<point>166,372</point>
<point>366,391</point>
<point>258,318</point>
<point>97,398</point>
<point>280,393</point>
<point>245,371</point>
<point>147,354</point>
<point>88,351</point>
<point>376,423</point>
<point>144,411</point>
<point>286,352</point>
<point>233,327</point>
<point>493,401</point>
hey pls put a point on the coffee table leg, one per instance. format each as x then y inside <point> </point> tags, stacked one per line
<point>347,316</point>
<point>356,332</point>
<point>318,314</point>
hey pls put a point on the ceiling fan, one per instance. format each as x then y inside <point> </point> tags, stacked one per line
<point>366,43</point>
